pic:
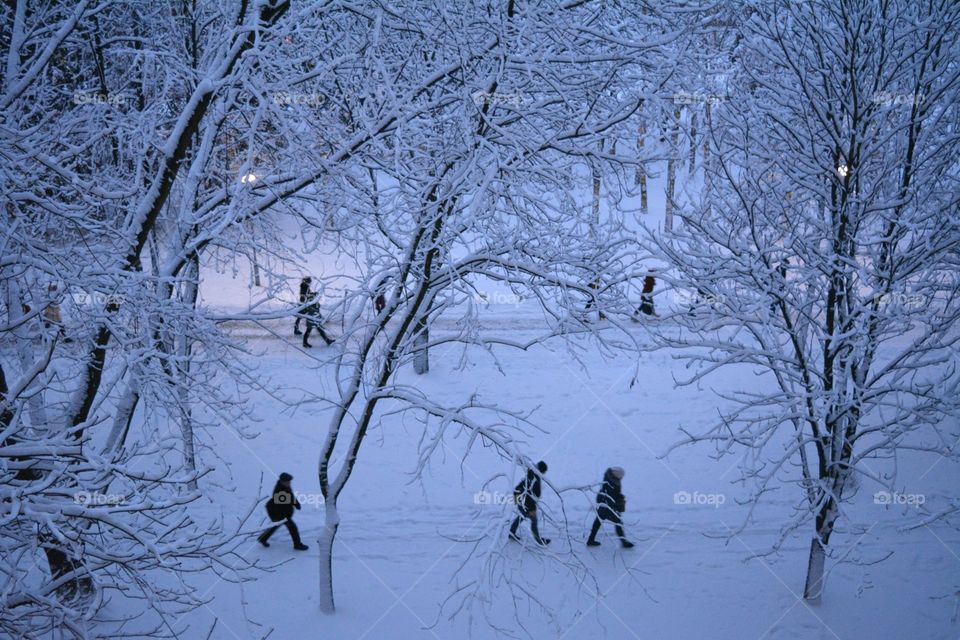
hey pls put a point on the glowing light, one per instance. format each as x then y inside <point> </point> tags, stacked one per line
<point>248,179</point>
<point>843,171</point>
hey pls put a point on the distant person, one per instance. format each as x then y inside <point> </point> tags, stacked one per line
<point>380,295</point>
<point>280,506</point>
<point>51,314</point>
<point>314,320</point>
<point>610,507</point>
<point>595,286</point>
<point>646,297</point>
<point>305,296</point>
<point>526,496</point>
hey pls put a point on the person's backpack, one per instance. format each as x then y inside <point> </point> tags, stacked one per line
<point>278,511</point>
<point>272,511</point>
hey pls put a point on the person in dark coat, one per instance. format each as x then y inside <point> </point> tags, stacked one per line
<point>646,297</point>
<point>280,506</point>
<point>380,295</point>
<point>314,321</point>
<point>610,506</point>
<point>526,495</point>
<point>305,296</point>
<point>594,285</point>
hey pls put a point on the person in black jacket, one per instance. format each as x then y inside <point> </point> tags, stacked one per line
<point>314,321</point>
<point>526,495</point>
<point>305,296</point>
<point>280,506</point>
<point>610,506</point>
<point>380,295</point>
<point>646,297</point>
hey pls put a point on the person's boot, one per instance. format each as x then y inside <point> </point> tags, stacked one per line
<point>627,544</point>
<point>535,528</point>
<point>594,530</point>
<point>307,345</point>
<point>513,530</point>
<point>262,539</point>
<point>295,535</point>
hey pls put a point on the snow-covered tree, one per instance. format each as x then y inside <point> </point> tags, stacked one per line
<point>119,170</point>
<point>824,249</point>
<point>498,110</point>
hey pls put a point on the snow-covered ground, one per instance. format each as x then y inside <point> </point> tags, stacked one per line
<point>402,539</point>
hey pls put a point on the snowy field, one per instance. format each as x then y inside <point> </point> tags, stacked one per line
<point>403,538</point>
<point>515,185</point>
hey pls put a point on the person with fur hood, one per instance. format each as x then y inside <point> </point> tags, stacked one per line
<point>610,507</point>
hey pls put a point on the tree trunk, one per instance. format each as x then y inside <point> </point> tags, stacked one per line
<point>25,350</point>
<point>707,169</point>
<point>185,352</point>
<point>596,191</point>
<point>672,170</point>
<point>421,355</point>
<point>813,588</point>
<point>826,517</point>
<point>693,141</point>
<point>123,414</point>
<point>641,170</point>
<point>325,543</point>
<point>708,124</point>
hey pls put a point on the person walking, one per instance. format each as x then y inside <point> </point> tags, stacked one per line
<point>305,296</point>
<point>280,507</point>
<point>380,295</point>
<point>314,320</point>
<point>526,495</point>
<point>646,297</point>
<point>51,313</point>
<point>610,507</point>
<point>52,320</point>
<point>594,286</point>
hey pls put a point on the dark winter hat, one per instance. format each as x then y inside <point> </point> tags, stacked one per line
<point>542,467</point>
<point>285,477</point>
